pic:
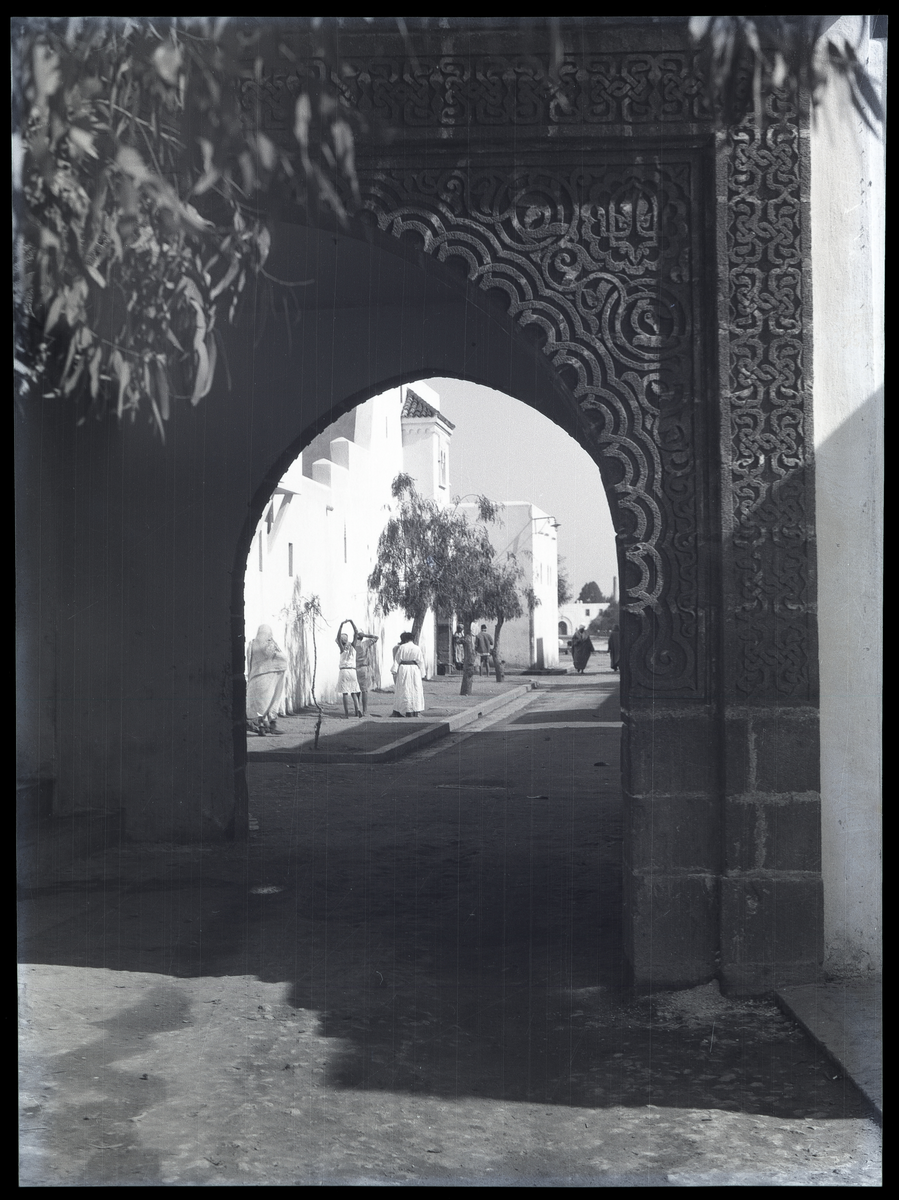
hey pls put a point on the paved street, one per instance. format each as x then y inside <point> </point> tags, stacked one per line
<point>412,974</point>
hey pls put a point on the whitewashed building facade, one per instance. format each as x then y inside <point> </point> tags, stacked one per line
<point>319,535</point>
<point>318,540</point>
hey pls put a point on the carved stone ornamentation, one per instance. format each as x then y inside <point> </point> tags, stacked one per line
<point>773,639</point>
<point>603,265</point>
<point>494,91</point>
<point>599,253</point>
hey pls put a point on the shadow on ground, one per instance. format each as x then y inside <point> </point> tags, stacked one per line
<point>454,921</point>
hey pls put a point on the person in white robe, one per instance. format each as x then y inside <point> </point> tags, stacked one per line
<point>408,694</point>
<point>266,672</point>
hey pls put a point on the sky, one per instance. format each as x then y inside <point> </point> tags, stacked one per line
<point>506,450</point>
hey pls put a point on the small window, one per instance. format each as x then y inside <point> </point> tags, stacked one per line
<point>290,558</point>
<point>588,612</point>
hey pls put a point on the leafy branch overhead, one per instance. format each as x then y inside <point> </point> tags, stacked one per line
<point>141,176</point>
<point>138,167</point>
<point>789,55</point>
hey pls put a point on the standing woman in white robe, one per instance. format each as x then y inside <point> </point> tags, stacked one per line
<point>266,672</point>
<point>408,695</point>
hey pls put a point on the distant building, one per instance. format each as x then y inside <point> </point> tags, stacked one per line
<point>530,534</point>
<point>572,616</point>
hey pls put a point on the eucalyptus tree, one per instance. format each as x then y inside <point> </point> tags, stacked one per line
<point>430,557</point>
<point>139,167</point>
<point>436,558</point>
<point>505,597</point>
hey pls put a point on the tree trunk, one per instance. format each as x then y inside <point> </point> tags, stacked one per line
<point>417,624</point>
<point>497,661</point>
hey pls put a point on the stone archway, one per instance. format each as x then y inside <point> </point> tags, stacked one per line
<point>606,265</point>
<point>658,265</point>
<point>612,259</point>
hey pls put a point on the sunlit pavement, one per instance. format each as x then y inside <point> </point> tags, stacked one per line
<point>147,1079</point>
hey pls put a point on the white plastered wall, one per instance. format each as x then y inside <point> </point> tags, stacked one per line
<point>847,213</point>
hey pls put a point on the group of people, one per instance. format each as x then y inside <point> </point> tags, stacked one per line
<point>354,676</point>
<point>267,671</point>
<point>354,668</point>
<point>482,648</point>
<point>582,648</point>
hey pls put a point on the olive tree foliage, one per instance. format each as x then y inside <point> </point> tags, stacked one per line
<point>430,557</point>
<point>138,173</point>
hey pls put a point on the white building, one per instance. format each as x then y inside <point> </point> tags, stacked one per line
<point>319,534</point>
<point>573,615</point>
<point>530,534</point>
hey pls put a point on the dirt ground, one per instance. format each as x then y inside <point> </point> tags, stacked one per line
<point>411,975</point>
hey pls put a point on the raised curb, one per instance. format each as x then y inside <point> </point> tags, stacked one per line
<point>845,1018</point>
<point>459,719</point>
<point>402,746</point>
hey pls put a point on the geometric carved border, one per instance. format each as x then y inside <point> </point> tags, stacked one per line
<point>764,393</point>
<point>456,92</point>
<point>601,260</point>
